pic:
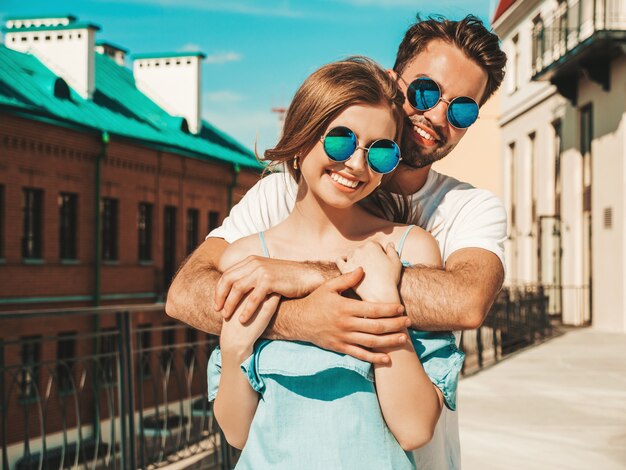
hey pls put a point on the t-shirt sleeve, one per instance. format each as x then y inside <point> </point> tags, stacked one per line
<point>480,223</point>
<point>266,204</point>
<point>214,373</point>
<point>248,368</point>
<point>442,361</point>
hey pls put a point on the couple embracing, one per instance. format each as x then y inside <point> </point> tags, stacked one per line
<point>335,285</point>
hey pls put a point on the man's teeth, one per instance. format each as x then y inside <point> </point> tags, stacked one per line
<point>423,133</point>
<point>343,181</point>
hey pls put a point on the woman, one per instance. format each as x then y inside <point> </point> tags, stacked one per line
<point>296,405</point>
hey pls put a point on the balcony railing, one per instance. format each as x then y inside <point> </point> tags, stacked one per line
<point>581,37</point>
<point>572,25</point>
<point>126,388</point>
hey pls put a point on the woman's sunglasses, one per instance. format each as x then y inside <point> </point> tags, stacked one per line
<point>424,93</point>
<point>383,155</point>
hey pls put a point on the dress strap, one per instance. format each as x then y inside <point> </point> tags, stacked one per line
<point>266,252</point>
<point>403,239</point>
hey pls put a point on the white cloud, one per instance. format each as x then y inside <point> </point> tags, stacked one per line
<point>222,96</point>
<point>190,47</point>
<point>245,125</point>
<point>223,57</point>
<point>244,7</point>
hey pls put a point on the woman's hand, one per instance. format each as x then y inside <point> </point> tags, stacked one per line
<point>237,339</point>
<point>382,271</point>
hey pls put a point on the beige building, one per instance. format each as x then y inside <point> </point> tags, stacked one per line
<point>477,157</point>
<point>563,149</point>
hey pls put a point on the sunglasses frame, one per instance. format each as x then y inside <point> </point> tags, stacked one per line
<point>365,149</point>
<point>441,98</point>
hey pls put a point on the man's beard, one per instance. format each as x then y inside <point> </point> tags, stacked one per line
<point>416,156</point>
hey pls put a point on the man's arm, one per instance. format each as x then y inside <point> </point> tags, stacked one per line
<point>190,297</point>
<point>456,298</point>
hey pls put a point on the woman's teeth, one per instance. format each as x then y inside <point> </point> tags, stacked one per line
<point>343,181</point>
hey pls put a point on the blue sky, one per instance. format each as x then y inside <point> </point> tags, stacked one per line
<point>258,52</point>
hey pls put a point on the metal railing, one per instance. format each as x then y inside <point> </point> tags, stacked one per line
<point>521,316</point>
<point>571,24</point>
<point>126,388</point>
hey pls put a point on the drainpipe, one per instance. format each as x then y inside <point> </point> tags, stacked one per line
<point>233,185</point>
<point>98,225</point>
<point>104,142</point>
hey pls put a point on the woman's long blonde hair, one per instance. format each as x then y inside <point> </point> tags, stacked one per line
<point>324,95</point>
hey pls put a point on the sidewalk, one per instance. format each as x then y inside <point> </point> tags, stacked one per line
<point>560,405</point>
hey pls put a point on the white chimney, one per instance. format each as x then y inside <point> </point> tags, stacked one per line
<point>115,52</point>
<point>173,81</point>
<point>63,44</point>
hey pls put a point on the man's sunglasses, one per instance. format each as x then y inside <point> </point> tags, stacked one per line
<point>424,93</point>
<point>340,143</point>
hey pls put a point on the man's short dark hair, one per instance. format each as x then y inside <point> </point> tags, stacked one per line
<point>469,35</point>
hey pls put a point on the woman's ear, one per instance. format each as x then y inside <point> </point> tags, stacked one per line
<point>392,73</point>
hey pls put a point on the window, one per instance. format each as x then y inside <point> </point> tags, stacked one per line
<point>214,220</point>
<point>30,355</point>
<point>108,356</point>
<point>109,211</point>
<point>193,215</point>
<point>514,64</point>
<point>558,150</point>
<point>66,352</point>
<point>538,43</point>
<point>512,195</point>
<point>68,227</point>
<point>32,210</point>
<point>168,336</point>
<point>2,212</point>
<point>533,206</point>
<point>144,229</point>
<point>169,244</point>
<point>144,343</point>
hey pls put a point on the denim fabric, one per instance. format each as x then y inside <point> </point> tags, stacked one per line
<point>319,409</point>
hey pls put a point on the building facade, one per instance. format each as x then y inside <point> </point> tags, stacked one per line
<point>109,178</point>
<point>563,148</point>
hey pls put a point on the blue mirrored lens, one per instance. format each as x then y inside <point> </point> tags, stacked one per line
<point>383,156</point>
<point>340,143</point>
<point>423,93</point>
<point>462,112</point>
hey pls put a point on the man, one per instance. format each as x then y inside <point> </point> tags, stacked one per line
<point>443,67</point>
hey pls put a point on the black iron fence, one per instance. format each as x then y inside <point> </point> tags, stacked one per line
<point>126,387</point>
<point>105,388</point>
<point>520,316</point>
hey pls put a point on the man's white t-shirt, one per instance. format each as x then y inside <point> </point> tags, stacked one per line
<point>455,213</point>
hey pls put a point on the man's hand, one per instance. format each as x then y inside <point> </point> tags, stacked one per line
<point>251,280</point>
<point>382,271</point>
<point>351,326</point>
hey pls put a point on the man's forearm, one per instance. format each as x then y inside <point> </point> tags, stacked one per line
<point>190,298</point>
<point>457,298</point>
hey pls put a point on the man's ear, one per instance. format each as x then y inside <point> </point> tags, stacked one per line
<point>392,73</point>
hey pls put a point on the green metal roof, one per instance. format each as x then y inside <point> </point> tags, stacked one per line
<point>117,107</point>
<point>168,55</point>
<point>40,17</point>
<point>111,44</point>
<point>72,25</point>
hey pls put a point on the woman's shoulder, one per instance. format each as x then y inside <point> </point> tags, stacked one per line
<point>240,250</point>
<point>417,246</point>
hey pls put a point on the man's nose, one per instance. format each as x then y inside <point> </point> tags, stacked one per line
<point>438,115</point>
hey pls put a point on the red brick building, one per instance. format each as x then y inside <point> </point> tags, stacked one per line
<point>102,196</point>
<point>109,178</point>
